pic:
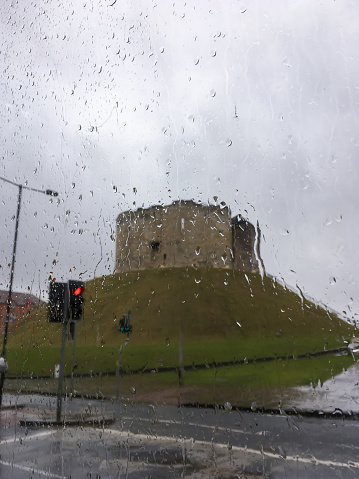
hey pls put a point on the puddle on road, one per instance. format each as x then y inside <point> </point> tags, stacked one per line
<point>339,392</point>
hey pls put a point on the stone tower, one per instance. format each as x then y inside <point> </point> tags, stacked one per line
<point>184,233</point>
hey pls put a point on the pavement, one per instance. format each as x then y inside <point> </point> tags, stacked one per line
<point>41,410</point>
<point>150,440</point>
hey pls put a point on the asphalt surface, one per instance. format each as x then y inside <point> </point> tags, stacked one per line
<point>109,439</point>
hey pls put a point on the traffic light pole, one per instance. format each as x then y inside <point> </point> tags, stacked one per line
<point>74,364</point>
<point>8,306</point>
<point>62,356</point>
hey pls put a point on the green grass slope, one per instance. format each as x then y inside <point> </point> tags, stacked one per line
<point>223,315</point>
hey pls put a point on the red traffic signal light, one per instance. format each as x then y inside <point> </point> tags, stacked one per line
<point>79,290</point>
<point>76,290</point>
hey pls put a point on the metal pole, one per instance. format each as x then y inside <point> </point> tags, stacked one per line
<point>74,363</point>
<point>180,361</point>
<point>8,306</point>
<point>62,356</point>
<point>118,373</point>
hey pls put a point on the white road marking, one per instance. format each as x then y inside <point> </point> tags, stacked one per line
<point>127,434</point>
<point>29,436</point>
<point>30,469</point>
<point>305,460</point>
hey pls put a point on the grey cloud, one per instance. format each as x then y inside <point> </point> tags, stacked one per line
<point>254,103</point>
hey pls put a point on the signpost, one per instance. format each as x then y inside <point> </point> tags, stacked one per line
<point>125,328</point>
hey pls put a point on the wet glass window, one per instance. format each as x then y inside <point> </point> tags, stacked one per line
<point>178,268</point>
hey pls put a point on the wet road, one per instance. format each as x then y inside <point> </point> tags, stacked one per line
<point>166,441</point>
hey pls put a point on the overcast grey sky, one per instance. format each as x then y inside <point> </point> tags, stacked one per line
<point>119,104</point>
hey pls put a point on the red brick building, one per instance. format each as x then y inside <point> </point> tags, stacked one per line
<point>21,304</point>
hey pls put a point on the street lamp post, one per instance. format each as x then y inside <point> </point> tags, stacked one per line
<point>8,305</point>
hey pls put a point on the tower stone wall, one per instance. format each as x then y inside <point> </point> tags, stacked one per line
<point>244,239</point>
<point>184,234</point>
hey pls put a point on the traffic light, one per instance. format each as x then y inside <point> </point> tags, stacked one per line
<point>56,305</point>
<point>76,292</point>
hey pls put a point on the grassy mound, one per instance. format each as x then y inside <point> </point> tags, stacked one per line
<point>223,315</point>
